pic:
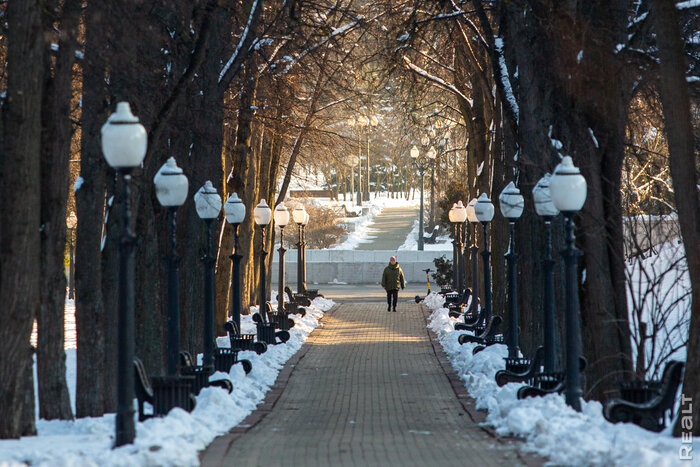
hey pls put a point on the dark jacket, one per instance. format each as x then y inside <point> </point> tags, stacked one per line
<point>392,278</point>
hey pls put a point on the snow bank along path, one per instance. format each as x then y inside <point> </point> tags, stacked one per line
<point>550,427</point>
<point>174,440</point>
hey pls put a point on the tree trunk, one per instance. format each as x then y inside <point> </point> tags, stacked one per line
<point>673,89</point>
<point>89,200</point>
<point>54,402</point>
<point>20,214</point>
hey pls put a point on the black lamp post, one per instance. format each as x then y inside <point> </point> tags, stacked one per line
<point>546,209</point>
<point>235,214</point>
<point>171,190</point>
<point>512,204</point>
<point>124,143</point>
<point>484,213</point>
<point>281,217</point>
<point>471,217</point>
<point>455,260</point>
<point>263,215</point>
<point>461,231</point>
<point>457,216</point>
<point>208,205</point>
<point>372,122</point>
<point>568,188</point>
<point>301,218</point>
<point>422,164</point>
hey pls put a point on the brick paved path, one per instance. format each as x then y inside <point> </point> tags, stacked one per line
<point>368,391</point>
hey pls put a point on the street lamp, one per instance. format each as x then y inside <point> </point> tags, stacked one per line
<point>208,204</point>
<point>362,121</point>
<point>452,216</point>
<point>422,164</point>
<point>304,223</point>
<point>124,143</point>
<point>457,216</point>
<point>262,215</point>
<point>568,188</point>
<point>299,216</point>
<point>281,216</point>
<point>546,209</point>
<point>484,213</point>
<point>512,204</point>
<point>471,217</point>
<point>372,122</point>
<point>71,223</point>
<point>235,214</point>
<point>171,190</point>
<point>352,122</point>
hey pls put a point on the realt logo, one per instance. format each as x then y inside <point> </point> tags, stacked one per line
<point>685,452</point>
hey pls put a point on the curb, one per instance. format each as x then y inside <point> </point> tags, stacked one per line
<point>469,404</point>
<point>215,453</point>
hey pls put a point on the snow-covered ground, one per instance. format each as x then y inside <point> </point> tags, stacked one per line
<point>442,243</point>
<point>173,440</point>
<point>548,425</point>
<point>359,230</point>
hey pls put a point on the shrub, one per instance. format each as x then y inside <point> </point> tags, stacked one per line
<point>322,230</point>
<point>443,274</point>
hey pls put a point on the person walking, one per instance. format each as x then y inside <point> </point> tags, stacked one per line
<point>392,279</point>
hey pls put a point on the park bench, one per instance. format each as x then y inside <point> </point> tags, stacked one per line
<point>432,238</point>
<point>472,322</point>
<point>162,392</point>
<point>267,329</point>
<point>201,374</point>
<point>452,297</point>
<point>225,358</point>
<point>241,342</point>
<point>487,337</point>
<point>312,293</point>
<point>650,413</point>
<point>295,298</point>
<point>515,373</point>
<point>543,383</point>
<point>293,309</point>
<point>456,310</point>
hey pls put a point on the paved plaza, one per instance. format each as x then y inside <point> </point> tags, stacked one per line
<point>368,390</point>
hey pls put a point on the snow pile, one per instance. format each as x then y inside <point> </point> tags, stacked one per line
<point>442,243</point>
<point>548,425</point>
<point>173,440</point>
<point>434,301</point>
<point>359,229</point>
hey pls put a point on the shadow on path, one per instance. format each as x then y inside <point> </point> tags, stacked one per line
<point>366,389</point>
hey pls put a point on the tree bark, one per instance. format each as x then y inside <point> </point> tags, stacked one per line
<point>54,402</point>
<point>89,200</point>
<point>675,98</point>
<point>206,101</point>
<point>20,174</point>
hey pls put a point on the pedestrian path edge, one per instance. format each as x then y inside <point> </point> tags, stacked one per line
<point>215,453</point>
<point>468,403</point>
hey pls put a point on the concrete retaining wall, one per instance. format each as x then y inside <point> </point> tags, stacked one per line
<point>356,266</point>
